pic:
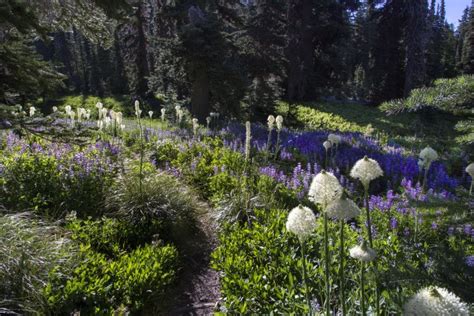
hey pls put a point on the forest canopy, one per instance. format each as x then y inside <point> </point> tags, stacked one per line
<point>236,57</point>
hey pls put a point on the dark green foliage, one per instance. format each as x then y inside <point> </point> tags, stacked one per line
<point>101,286</point>
<point>36,180</point>
<point>451,95</point>
<point>262,263</point>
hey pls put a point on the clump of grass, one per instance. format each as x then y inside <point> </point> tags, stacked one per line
<point>29,250</point>
<point>159,197</point>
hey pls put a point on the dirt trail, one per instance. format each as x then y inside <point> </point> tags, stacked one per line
<point>197,291</point>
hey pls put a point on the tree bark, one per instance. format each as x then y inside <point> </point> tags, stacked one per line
<point>200,106</point>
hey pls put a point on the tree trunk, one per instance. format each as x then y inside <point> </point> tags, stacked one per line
<point>300,49</point>
<point>415,70</point>
<point>200,106</point>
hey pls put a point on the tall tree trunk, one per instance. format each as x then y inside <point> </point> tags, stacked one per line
<point>200,106</point>
<point>415,70</point>
<point>300,49</point>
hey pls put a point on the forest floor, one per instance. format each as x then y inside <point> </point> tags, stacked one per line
<point>198,289</point>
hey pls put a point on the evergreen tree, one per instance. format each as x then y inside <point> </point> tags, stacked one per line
<point>416,34</point>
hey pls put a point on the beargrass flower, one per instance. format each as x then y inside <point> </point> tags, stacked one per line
<point>334,139</point>
<point>366,170</point>
<point>195,126</point>
<point>150,114</point>
<point>324,189</point>
<point>470,171</point>
<point>163,113</point>
<point>67,109</point>
<point>279,122</point>
<point>343,209</point>
<point>427,156</point>
<point>248,137</point>
<point>270,122</point>
<point>435,300</point>
<point>138,112</point>
<point>363,252</point>
<point>32,111</point>
<point>327,145</point>
<point>301,222</point>
<point>55,109</point>
<point>208,121</point>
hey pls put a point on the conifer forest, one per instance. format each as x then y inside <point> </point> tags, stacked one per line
<point>237,157</point>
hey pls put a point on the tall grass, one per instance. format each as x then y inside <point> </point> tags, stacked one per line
<point>29,250</point>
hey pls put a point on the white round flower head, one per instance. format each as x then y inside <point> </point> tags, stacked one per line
<point>428,155</point>
<point>68,109</point>
<point>324,189</point>
<point>366,170</point>
<point>195,125</point>
<point>137,105</point>
<point>32,111</point>
<point>270,122</point>
<point>435,301</point>
<point>301,222</point>
<point>177,108</point>
<point>470,170</point>
<point>150,114</point>
<point>208,120</point>
<point>55,109</point>
<point>279,122</point>
<point>334,139</point>
<point>362,252</point>
<point>99,105</point>
<point>327,145</point>
<point>343,209</point>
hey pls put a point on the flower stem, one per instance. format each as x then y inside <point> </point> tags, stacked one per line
<point>267,151</point>
<point>326,259</point>
<point>425,178</point>
<point>369,224</point>
<point>472,185</point>
<point>341,268</point>
<point>305,278</point>
<point>362,288</point>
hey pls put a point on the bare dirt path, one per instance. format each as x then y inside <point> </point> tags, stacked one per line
<point>197,291</point>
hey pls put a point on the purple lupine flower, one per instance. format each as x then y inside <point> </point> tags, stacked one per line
<point>470,261</point>
<point>406,232</point>
<point>450,231</point>
<point>393,223</point>
<point>434,226</point>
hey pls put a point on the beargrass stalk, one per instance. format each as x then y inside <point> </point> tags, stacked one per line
<point>302,222</point>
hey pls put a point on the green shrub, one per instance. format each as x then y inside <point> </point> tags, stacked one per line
<point>29,250</point>
<point>56,180</point>
<point>111,236</point>
<point>117,103</point>
<point>100,286</point>
<point>261,264</point>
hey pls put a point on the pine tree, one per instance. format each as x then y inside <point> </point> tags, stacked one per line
<point>416,35</point>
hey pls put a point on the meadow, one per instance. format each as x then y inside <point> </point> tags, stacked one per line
<point>156,214</point>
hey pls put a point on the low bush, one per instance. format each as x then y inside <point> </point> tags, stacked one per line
<point>101,286</point>
<point>261,263</point>
<point>52,179</point>
<point>117,103</point>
